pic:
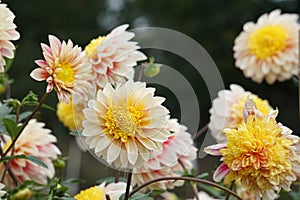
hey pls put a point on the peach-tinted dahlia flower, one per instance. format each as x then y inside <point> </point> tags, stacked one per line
<point>124,125</point>
<point>65,68</point>
<point>177,154</point>
<point>269,49</point>
<point>114,56</point>
<point>8,33</point>
<point>260,154</point>
<point>35,140</point>
<point>227,110</point>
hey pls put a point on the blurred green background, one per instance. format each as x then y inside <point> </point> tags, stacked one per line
<point>212,23</point>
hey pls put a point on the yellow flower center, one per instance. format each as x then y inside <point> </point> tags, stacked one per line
<point>257,153</point>
<point>123,121</point>
<point>267,41</point>
<point>91,48</point>
<point>65,73</point>
<point>91,194</point>
<point>237,115</point>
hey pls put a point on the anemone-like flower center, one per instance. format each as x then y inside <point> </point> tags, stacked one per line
<point>256,151</point>
<point>91,193</point>
<point>91,48</point>
<point>267,41</point>
<point>123,121</point>
<point>237,114</point>
<point>65,73</point>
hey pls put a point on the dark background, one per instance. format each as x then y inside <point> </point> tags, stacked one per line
<point>214,24</point>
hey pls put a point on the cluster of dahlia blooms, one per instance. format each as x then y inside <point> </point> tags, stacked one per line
<point>125,125</point>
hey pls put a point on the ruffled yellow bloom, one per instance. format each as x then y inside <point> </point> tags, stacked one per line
<point>260,154</point>
<point>91,194</point>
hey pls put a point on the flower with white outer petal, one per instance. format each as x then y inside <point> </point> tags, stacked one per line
<point>227,110</point>
<point>114,56</point>
<point>7,34</point>
<point>35,140</point>
<point>2,192</point>
<point>124,125</point>
<point>177,154</point>
<point>65,69</point>
<point>269,49</point>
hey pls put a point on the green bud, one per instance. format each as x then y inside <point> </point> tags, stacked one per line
<point>22,194</point>
<point>59,163</point>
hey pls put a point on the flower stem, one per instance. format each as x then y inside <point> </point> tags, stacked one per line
<point>230,187</point>
<point>141,72</point>
<point>117,176</point>
<point>201,131</point>
<point>26,122</point>
<point>185,179</point>
<point>127,195</point>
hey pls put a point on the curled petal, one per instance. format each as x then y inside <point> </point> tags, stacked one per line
<point>214,149</point>
<point>220,172</point>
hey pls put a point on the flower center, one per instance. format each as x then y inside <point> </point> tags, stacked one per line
<point>267,41</point>
<point>65,73</point>
<point>123,121</point>
<point>91,48</point>
<point>91,193</point>
<point>237,115</point>
<point>256,151</point>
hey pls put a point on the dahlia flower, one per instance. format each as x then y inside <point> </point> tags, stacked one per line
<point>113,190</point>
<point>124,125</point>
<point>177,154</point>
<point>2,192</point>
<point>71,114</point>
<point>269,49</point>
<point>260,155</point>
<point>114,56</point>
<point>65,68</point>
<point>35,140</point>
<point>7,34</point>
<point>227,110</point>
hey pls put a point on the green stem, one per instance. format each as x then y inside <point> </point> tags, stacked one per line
<point>26,122</point>
<point>198,180</point>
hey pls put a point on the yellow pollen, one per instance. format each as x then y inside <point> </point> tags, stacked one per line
<point>237,115</point>
<point>65,73</point>
<point>91,48</point>
<point>123,121</point>
<point>91,193</point>
<point>267,41</point>
<point>257,153</point>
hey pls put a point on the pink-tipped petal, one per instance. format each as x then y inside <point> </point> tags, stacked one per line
<point>220,172</point>
<point>215,149</point>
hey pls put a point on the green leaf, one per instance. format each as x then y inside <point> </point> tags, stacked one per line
<point>24,115</point>
<point>139,196</point>
<point>33,159</point>
<point>11,127</point>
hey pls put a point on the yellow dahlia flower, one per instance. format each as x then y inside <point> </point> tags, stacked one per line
<point>269,49</point>
<point>114,56</point>
<point>7,34</point>
<point>260,154</point>
<point>65,68</point>
<point>70,114</point>
<point>113,190</point>
<point>124,125</point>
<point>227,110</point>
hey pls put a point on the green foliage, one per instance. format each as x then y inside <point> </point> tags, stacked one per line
<point>12,128</point>
<point>33,159</point>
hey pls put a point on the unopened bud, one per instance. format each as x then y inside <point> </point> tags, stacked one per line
<point>23,194</point>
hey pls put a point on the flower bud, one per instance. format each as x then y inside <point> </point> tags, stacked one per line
<point>22,194</point>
